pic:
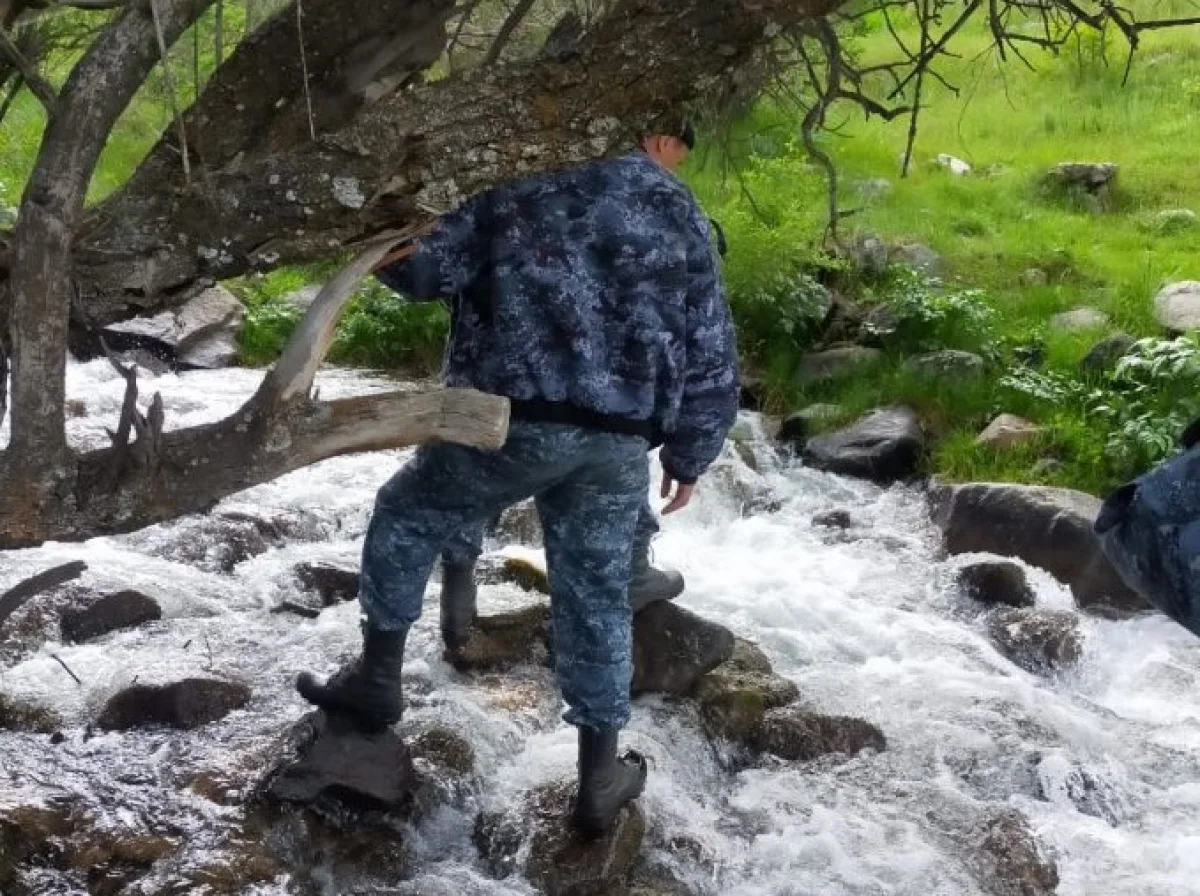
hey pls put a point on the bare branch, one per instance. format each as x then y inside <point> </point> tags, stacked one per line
<point>11,600</point>
<point>175,111</point>
<point>504,35</point>
<point>38,85</point>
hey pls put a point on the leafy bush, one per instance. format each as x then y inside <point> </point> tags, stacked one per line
<point>922,316</point>
<point>1147,401</point>
<point>266,330</point>
<point>781,317</point>
<point>381,329</point>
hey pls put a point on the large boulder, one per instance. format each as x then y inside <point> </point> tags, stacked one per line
<point>1011,861</point>
<point>884,446</point>
<point>538,840</point>
<point>110,613</point>
<point>1090,183</point>
<point>1046,527</point>
<point>332,584</point>
<point>868,253</point>
<point>674,648</point>
<point>919,258</point>
<point>1105,354</point>
<point>1037,640</point>
<point>185,704</point>
<point>835,363</point>
<point>1177,306</point>
<point>202,334</point>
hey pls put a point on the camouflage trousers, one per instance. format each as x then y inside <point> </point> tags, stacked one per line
<point>465,546</point>
<point>588,487</point>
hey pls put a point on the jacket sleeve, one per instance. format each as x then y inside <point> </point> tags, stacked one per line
<point>446,260</point>
<point>710,387</point>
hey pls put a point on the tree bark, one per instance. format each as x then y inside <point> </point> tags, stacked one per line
<point>391,152</point>
<point>195,467</point>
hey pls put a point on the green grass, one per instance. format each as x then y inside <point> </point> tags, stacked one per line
<point>1010,124</point>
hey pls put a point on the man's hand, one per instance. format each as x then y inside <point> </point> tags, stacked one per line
<point>682,493</point>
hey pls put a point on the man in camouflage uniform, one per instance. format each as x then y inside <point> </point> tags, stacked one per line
<point>590,298</point>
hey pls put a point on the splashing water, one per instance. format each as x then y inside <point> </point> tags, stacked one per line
<point>1104,760</point>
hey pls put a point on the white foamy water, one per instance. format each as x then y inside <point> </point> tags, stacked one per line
<point>1104,760</point>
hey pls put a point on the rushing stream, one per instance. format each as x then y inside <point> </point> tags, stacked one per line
<point>1104,760</point>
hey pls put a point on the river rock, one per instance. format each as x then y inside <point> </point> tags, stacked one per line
<point>112,612</point>
<point>333,584</point>
<point>19,715</point>
<point>220,542</point>
<point>1009,431</point>
<point>185,704</point>
<point>339,764</point>
<point>835,364</point>
<point>200,334</point>
<point>868,253</point>
<point>1105,354</point>
<point>949,365</point>
<point>538,840</point>
<point>996,583</point>
<point>1037,640</point>
<point>673,649</point>
<point>519,524</point>
<point>798,734</point>
<point>833,519</point>
<point>736,696</point>
<point>1177,306</point>
<point>885,446</point>
<point>1050,528</point>
<point>498,642</point>
<point>445,748</point>
<point>1079,320</point>
<point>1011,862</point>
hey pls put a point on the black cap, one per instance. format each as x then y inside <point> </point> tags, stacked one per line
<point>680,128</point>
<point>687,134</point>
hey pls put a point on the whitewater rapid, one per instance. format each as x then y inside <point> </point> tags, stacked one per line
<point>1104,759</point>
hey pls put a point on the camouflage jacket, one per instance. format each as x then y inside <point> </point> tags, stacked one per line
<point>589,296</point>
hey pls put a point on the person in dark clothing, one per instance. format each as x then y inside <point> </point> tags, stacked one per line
<point>647,584</point>
<point>591,299</point>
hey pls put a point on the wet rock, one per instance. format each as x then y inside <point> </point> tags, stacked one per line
<point>835,364</point>
<point>15,597</point>
<point>525,575</point>
<point>519,524</point>
<point>999,583</point>
<point>833,519</point>
<point>795,733</point>
<point>646,881</point>
<point>18,715</point>
<point>948,365</point>
<point>1079,320</point>
<point>76,408</point>
<point>333,584</point>
<point>537,839</point>
<point>341,765</point>
<point>185,704</point>
<point>1177,306</point>
<point>1105,354</point>
<point>794,431</point>
<point>197,335</point>
<point>1037,640</point>
<point>1011,862</point>
<point>884,446</point>
<point>445,748</point>
<point>1050,528</point>
<point>1009,431</point>
<point>751,393</point>
<point>498,642</point>
<point>736,696</point>
<point>1060,780</point>
<point>220,543</point>
<point>112,612</point>
<point>674,648</point>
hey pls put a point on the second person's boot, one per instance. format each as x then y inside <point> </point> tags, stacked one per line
<point>648,584</point>
<point>367,691</point>
<point>459,598</point>
<point>606,782</point>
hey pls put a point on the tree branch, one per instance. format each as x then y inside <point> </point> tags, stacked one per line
<point>38,85</point>
<point>504,35</point>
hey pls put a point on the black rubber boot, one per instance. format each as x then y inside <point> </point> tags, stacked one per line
<point>647,584</point>
<point>458,603</point>
<point>606,782</point>
<point>367,691</point>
